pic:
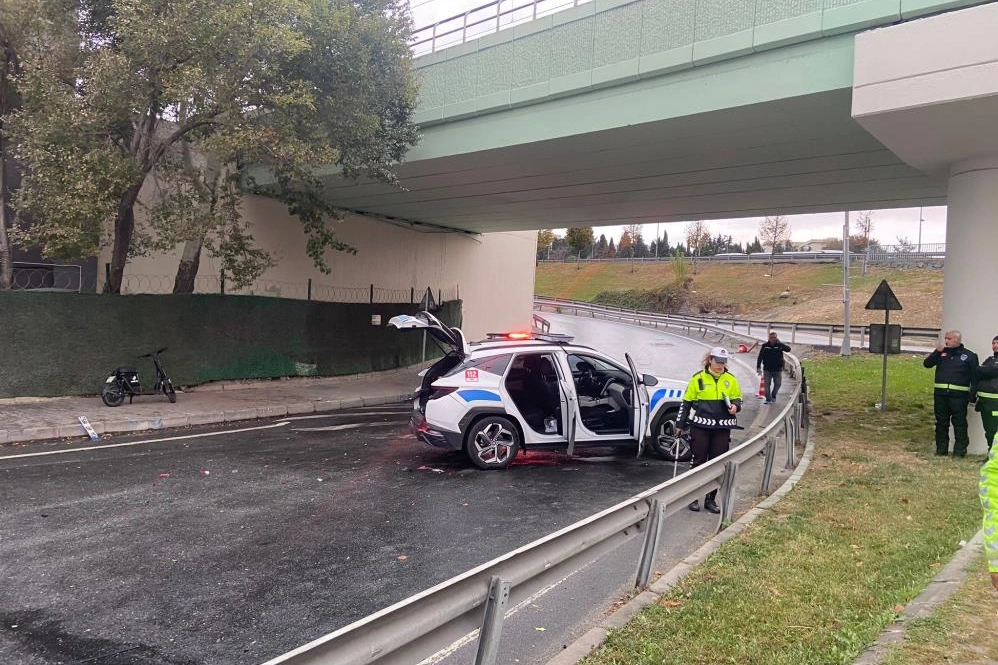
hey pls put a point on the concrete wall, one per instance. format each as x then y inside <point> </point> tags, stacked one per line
<point>493,274</point>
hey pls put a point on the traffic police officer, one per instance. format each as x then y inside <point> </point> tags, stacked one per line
<point>956,371</point>
<point>987,393</point>
<point>710,403</point>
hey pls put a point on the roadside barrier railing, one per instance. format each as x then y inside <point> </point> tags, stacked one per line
<point>918,339</point>
<point>474,603</point>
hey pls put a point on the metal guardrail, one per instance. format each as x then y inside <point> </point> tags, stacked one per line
<point>475,601</point>
<point>730,325</point>
<point>483,20</point>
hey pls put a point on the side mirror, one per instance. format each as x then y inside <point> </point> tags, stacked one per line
<point>649,380</point>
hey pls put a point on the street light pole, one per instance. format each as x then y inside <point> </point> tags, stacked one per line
<point>845,286</point>
<point>920,220</point>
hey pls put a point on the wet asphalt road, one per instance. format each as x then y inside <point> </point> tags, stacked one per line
<point>238,547</point>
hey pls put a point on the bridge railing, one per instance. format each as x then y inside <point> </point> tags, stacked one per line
<point>474,604</point>
<point>483,20</point>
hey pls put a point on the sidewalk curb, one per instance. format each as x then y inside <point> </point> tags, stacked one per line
<point>939,590</point>
<point>593,638</point>
<point>154,423</point>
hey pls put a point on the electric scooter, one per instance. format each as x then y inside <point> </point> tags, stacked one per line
<point>125,382</point>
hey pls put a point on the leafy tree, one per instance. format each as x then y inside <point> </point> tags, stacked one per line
<point>580,239</point>
<point>545,238</point>
<point>625,248</point>
<point>775,232</point>
<point>860,242</point>
<point>611,250</point>
<point>24,29</point>
<point>697,236</point>
<point>754,246</point>
<point>286,85</point>
<point>601,247</point>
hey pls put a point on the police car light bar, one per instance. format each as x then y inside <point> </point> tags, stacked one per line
<point>553,338</point>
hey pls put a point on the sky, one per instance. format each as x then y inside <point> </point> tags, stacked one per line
<point>888,225</point>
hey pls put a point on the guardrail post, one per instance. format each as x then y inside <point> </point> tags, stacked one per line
<point>653,532</point>
<point>793,332</point>
<point>767,467</point>
<point>830,342</point>
<point>309,288</point>
<point>495,613</point>
<point>789,436</point>
<point>728,484</point>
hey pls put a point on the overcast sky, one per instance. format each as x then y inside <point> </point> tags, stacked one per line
<point>888,225</point>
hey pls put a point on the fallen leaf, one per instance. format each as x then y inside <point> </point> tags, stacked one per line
<point>539,629</point>
<point>403,557</point>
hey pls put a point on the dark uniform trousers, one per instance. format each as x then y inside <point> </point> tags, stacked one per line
<point>706,444</point>
<point>951,406</point>
<point>988,407</point>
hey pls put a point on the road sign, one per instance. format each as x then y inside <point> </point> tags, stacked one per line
<point>884,298</point>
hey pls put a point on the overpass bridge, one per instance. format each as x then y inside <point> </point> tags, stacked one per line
<point>636,111</point>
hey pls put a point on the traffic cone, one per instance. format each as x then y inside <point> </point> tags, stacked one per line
<point>762,388</point>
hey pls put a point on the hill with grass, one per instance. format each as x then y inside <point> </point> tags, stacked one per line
<point>794,292</point>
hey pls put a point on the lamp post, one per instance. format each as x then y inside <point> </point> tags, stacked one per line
<point>845,351</point>
<point>920,220</point>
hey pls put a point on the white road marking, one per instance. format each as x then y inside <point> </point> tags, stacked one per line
<point>336,428</point>
<point>351,415</point>
<point>144,441</point>
<point>473,635</point>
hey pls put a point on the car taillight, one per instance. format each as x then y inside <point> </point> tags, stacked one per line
<point>437,393</point>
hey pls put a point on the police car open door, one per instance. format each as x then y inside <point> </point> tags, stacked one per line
<point>639,406</point>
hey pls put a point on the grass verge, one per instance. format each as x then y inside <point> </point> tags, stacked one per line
<point>817,578</point>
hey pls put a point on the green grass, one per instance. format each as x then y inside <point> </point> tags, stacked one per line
<point>816,579</point>
<point>810,293</point>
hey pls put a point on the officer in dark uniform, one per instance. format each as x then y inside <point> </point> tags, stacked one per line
<point>987,393</point>
<point>956,371</point>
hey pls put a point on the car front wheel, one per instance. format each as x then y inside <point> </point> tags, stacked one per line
<point>665,443</point>
<point>492,442</point>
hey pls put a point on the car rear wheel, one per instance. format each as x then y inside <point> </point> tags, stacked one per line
<point>492,442</point>
<point>665,443</point>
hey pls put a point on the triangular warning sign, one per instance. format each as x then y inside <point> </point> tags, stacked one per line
<point>428,303</point>
<point>884,298</point>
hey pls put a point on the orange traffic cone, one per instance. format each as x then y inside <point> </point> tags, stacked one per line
<point>762,388</point>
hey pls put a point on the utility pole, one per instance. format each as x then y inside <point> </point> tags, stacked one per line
<point>845,285</point>
<point>920,220</point>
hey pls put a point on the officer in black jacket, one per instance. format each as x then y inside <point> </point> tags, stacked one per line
<point>987,393</point>
<point>956,371</point>
<point>769,365</point>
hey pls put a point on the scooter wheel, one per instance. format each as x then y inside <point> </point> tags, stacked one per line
<point>112,395</point>
<point>168,390</point>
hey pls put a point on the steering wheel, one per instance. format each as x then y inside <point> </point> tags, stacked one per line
<point>587,376</point>
<point>606,386</point>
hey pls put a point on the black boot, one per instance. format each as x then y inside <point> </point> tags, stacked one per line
<point>711,506</point>
<point>695,506</point>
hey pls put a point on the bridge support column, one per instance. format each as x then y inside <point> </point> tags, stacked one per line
<point>972,235</point>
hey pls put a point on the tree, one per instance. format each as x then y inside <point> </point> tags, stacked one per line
<point>580,239</point>
<point>864,226</point>
<point>904,246</point>
<point>625,248</point>
<point>22,30</point>
<point>697,235</point>
<point>611,250</point>
<point>601,246</point>
<point>754,247</point>
<point>286,86</point>
<point>545,238</point>
<point>775,232</point>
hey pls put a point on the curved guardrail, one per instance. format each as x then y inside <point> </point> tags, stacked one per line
<point>476,601</point>
<point>732,325</point>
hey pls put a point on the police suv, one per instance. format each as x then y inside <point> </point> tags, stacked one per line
<point>499,396</point>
